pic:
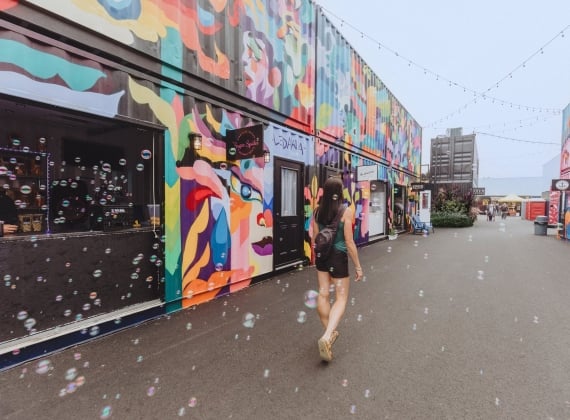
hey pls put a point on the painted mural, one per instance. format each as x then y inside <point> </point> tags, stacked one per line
<point>40,73</point>
<point>272,62</point>
<point>356,109</point>
<point>219,213</point>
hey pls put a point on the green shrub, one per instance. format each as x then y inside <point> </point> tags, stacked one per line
<point>449,219</point>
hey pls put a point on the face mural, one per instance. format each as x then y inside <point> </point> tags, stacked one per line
<point>260,78</point>
<point>226,229</point>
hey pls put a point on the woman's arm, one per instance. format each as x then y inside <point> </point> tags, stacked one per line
<point>352,251</point>
<point>315,226</point>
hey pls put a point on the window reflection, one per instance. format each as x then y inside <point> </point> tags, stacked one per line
<point>88,175</point>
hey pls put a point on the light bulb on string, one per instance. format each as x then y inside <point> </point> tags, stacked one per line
<point>450,83</point>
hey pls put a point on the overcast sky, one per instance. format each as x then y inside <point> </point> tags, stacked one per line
<point>475,45</point>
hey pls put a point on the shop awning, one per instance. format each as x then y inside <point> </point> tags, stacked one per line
<point>511,198</point>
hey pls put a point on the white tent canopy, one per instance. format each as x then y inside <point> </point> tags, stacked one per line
<point>511,198</point>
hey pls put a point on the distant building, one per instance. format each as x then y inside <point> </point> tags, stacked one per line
<point>535,186</point>
<point>523,186</point>
<point>454,159</point>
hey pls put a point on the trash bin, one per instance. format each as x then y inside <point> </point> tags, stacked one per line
<point>540,225</point>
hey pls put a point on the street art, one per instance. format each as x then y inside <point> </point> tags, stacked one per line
<point>36,72</point>
<point>224,219</point>
<point>219,219</point>
<point>8,4</point>
<point>276,52</point>
<point>354,107</point>
<point>278,57</point>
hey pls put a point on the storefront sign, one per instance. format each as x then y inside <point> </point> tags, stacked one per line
<point>479,191</point>
<point>244,143</point>
<point>367,173</point>
<point>560,184</point>
<point>419,186</point>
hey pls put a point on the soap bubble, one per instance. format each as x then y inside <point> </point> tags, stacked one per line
<point>311,299</point>
<point>248,320</point>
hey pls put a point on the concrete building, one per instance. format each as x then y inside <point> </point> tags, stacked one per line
<point>454,159</point>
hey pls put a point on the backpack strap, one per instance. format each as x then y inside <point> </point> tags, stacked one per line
<point>338,216</point>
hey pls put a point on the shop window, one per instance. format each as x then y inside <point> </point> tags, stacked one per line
<point>104,184</point>
<point>88,175</point>
<point>23,179</point>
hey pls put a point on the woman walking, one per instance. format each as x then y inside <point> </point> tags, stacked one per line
<point>334,269</point>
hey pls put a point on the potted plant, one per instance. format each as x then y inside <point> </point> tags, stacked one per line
<point>392,234</point>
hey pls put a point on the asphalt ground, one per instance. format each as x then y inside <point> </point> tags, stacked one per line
<point>470,323</point>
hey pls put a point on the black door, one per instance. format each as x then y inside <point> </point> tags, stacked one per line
<point>288,212</point>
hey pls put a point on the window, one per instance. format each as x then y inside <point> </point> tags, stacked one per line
<point>288,192</point>
<point>70,172</point>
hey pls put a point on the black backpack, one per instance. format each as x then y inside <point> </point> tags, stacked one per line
<point>325,238</point>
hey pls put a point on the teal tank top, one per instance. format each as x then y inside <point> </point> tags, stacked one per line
<point>339,242</point>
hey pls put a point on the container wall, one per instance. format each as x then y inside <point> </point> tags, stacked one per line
<point>52,281</point>
<point>262,50</point>
<point>354,106</point>
<point>535,208</point>
<point>352,103</point>
<point>177,67</point>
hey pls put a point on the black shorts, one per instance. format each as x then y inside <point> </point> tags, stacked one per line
<point>336,264</point>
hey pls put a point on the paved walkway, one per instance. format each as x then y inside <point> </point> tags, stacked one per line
<point>462,324</point>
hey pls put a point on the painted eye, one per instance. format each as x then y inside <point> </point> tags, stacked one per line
<point>245,191</point>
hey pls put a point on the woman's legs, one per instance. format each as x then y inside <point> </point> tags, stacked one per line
<point>323,300</point>
<point>331,316</point>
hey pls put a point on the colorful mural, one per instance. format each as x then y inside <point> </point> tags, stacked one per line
<point>272,64</point>
<point>219,216</point>
<point>355,109</point>
<point>35,71</point>
<point>278,56</point>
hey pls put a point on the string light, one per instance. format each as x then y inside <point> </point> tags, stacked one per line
<point>517,140</point>
<point>523,65</point>
<point>505,126</point>
<point>466,89</point>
